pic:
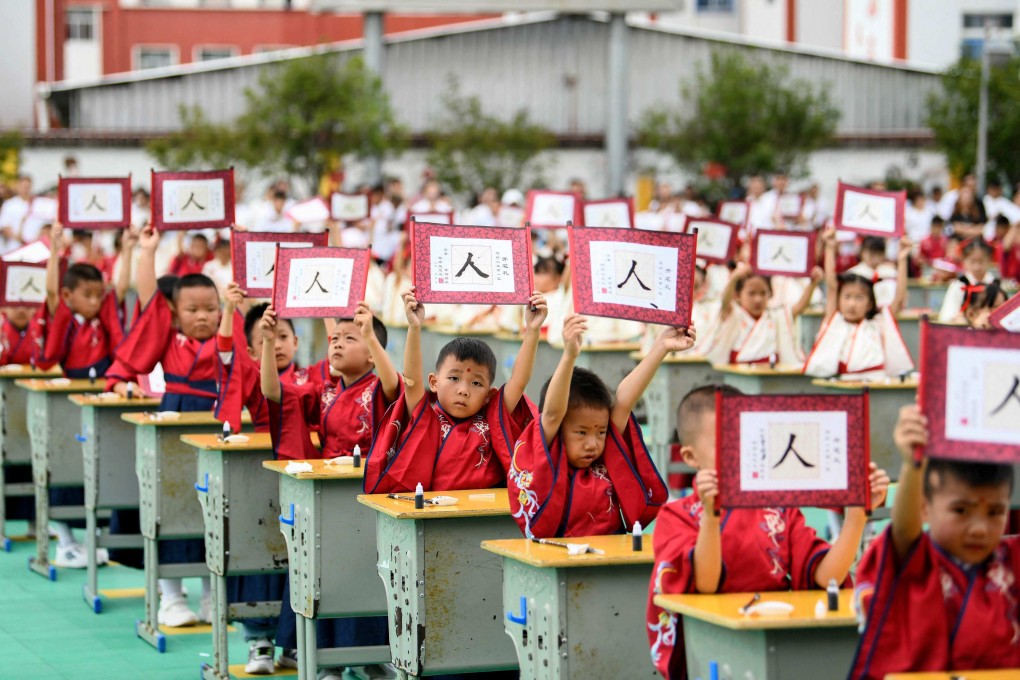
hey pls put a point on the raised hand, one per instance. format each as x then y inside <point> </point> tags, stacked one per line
<point>536,311</point>
<point>574,328</point>
<point>363,320</point>
<point>268,324</point>
<point>677,339</point>
<point>706,481</point>
<point>414,310</point>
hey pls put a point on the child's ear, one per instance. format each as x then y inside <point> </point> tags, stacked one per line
<point>687,454</point>
<point>253,355</point>
<point>924,511</point>
<point>433,381</point>
<point>65,294</point>
<point>491,394</point>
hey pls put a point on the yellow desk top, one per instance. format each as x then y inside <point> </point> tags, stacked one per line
<point>257,441</point>
<point>19,371</point>
<point>319,469</point>
<point>62,385</point>
<point>185,419</point>
<point>759,369</point>
<point>723,610</point>
<point>887,384</point>
<point>675,358</point>
<point>110,400</point>
<point>628,347</point>
<point>490,502</point>
<point>1001,674</point>
<point>617,551</point>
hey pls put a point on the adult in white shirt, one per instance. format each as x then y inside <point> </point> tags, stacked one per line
<point>275,219</point>
<point>17,224</point>
<point>764,205</point>
<point>432,200</point>
<point>917,216</point>
<point>996,204</point>
<point>484,214</point>
<point>947,204</point>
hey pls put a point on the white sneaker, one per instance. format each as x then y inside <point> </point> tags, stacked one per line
<point>102,556</point>
<point>331,673</point>
<point>260,657</point>
<point>288,658</point>
<point>71,557</point>
<point>376,671</point>
<point>174,612</point>
<point>205,609</point>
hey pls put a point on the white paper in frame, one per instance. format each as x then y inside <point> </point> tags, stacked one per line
<point>793,450</point>
<point>634,274</point>
<point>782,253</point>
<point>25,285</point>
<point>868,211</point>
<point>260,261</point>
<point>734,212</point>
<point>471,265</point>
<point>95,202</point>
<point>552,209</point>
<point>319,282</point>
<point>349,207</point>
<point>611,214</point>
<point>790,206</point>
<point>983,395</point>
<point>193,200</point>
<point>713,238</point>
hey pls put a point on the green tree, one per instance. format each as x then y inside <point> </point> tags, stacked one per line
<point>749,117</point>
<point>304,112</point>
<point>472,150</point>
<point>11,143</point>
<point>953,116</point>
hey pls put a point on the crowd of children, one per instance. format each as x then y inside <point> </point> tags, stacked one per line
<point>575,465</point>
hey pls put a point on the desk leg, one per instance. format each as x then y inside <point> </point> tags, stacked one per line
<point>5,542</point>
<point>310,651</point>
<point>220,670</point>
<point>148,628</point>
<point>90,589</point>
<point>40,564</point>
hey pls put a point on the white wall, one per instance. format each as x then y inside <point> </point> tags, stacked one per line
<point>763,19</point>
<point>934,28</point>
<point>819,23</point>
<point>17,62</point>
<point>83,59</point>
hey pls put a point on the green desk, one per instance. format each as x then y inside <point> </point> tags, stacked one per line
<point>443,592</point>
<point>53,424</point>
<point>15,446</point>
<point>577,616</point>
<point>800,646</point>
<point>108,449</point>
<point>238,499</point>
<point>331,550</point>
<point>760,379</point>
<point>169,507</point>
<point>924,294</point>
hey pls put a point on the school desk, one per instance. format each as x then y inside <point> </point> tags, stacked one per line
<point>108,449</point>
<point>242,534</point>
<point>15,447</point>
<point>577,616</point>
<point>925,294</point>
<point>53,423</point>
<point>799,646</point>
<point>762,379</point>
<point>330,541</point>
<point>885,398</point>
<point>443,592</point>
<point>168,505</point>
<point>1001,674</point>
<point>612,361</point>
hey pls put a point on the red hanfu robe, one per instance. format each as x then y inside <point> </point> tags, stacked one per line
<point>931,613</point>
<point>549,498</point>
<point>434,449</point>
<point>78,344</point>
<point>345,416</point>
<point>20,347</point>
<point>763,549</point>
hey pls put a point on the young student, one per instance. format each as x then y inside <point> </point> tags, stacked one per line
<point>192,260</point>
<point>933,246</point>
<point>219,268</point>
<point>943,599</point>
<point>446,438</point>
<point>180,335</point>
<point>749,330</point>
<point>978,256</point>
<point>979,303</point>
<point>19,335</point>
<point>346,414</point>
<point>876,268</point>
<point>859,338</point>
<point>739,550</point>
<point>581,468</point>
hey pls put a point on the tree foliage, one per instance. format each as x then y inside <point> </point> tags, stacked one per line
<point>472,150</point>
<point>749,117</point>
<point>953,116</point>
<point>304,113</point>
<point>11,143</point>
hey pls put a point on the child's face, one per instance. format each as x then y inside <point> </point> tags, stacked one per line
<point>754,296</point>
<point>966,521</point>
<point>85,299</point>
<point>223,254</point>
<point>872,258</point>
<point>462,386</point>
<point>348,352</point>
<point>584,434</point>
<point>284,348</point>
<point>700,289</point>
<point>978,318</point>
<point>18,316</point>
<point>198,249</point>
<point>547,282</point>
<point>700,451</point>
<point>198,311</point>
<point>854,302</point>
<point>976,263</point>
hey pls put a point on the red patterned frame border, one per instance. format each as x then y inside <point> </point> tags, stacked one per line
<point>530,204</point>
<point>1004,310</point>
<point>901,202</point>
<point>359,281</point>
<point>728,408</point>
<point>730,249</point>
<point>64,210</point>
<point>936,339</point>
<point>580,274</point>
<point>629,202</point>
<point>5,268</point>
<point>229,204</point>
<point>239,265</point>
<point>421,267</point>
<point>747,211</point>
<point>812,254</point>
<point>412,217</point>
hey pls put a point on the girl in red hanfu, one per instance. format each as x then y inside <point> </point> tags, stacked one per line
<point>582,468</point>
<point>20,333</point>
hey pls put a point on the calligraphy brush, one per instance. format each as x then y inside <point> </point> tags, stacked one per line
<point>567,546</point>
<point>398,497</point>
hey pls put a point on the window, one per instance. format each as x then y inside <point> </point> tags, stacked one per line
<point>211,52</point>
<point>154,57</point>
<point>715,5</point>
<point>994,20</point>
<point>80,23</point>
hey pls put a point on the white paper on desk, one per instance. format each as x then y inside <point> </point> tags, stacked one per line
<point>295,467</point>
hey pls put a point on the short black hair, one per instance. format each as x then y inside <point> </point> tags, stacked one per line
<point>694,405</point>
<point>847,278</point>
<point>873,244</point>
<point>969,473</point>
<point>166,285</point>
<point>743,282</point>
<point>378,327</point>
<point>200,237</point>
<point>978,243</point>
<point>251,320</point>
<point>549,265</point>
<point>193,281</point>
<point>586,389</point>
<point>80,273</point>
<point>469,349</point>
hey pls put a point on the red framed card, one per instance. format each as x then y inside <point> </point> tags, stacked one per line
<point>1007,315</point>
<point>734,212</point>
<point>610,213</point>
<point>312,211</point>
<point>717,239</point>
<point>22,284</point>
<point>970,392</point>
<point>792,450</point>
<point>868,211</point>
<point>95,202</point>
<point>253,257</point>
<point>349,207</point>
<point>471,265</point>
<point>552,209</point>
<point>783,253</point>
<point>790,206</point>
<point>319,282</point>
<point>192,200</point>
<point>633,274</point>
